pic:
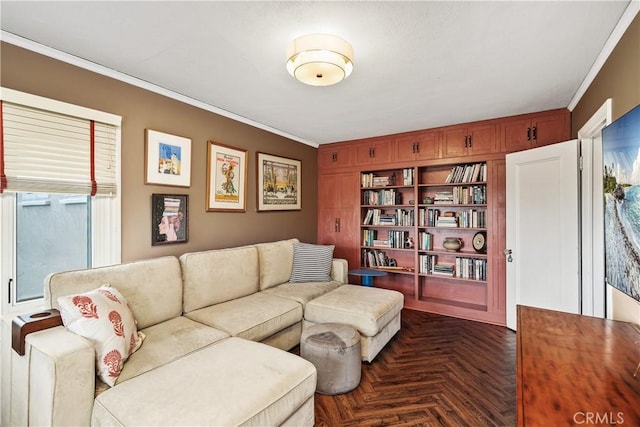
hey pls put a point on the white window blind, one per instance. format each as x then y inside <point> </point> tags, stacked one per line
<point>45,151</point>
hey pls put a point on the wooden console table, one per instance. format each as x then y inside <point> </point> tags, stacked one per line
<point>576,370</point>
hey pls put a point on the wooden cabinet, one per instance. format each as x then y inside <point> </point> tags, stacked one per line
<point>534,130</point>
<point>373,151</point>
<point>338,206</point>
<point>418,146</point>
<point>334,156</point>
<point>431,154</point>
<point>463,140</point>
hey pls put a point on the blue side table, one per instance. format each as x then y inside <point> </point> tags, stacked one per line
<point>367,275</point>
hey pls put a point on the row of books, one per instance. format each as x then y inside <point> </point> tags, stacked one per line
<point>475,172</point>
<point>374,258</point>
<point>394,239</point>
<point>464,268</point>
<point>469,195</point>
<point>407,176</point>
<point>471,268</point>
<point>425,241</point>
<point>400,217</point>
<point>371,180</point>
<point>470,218</point>
<point>381,197</point>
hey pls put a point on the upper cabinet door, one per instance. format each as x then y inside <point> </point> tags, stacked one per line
<point>372,152</point>
<point>551,128</point>
<point>454,141</point>
<point>482,139</point>
<point>514,135</point>
<point>334,156</point>
<point>465,140</point>
<point>420,146</point>
<point>534,130</point>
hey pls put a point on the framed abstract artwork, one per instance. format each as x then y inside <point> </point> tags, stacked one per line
<point>167,159</point>
<point>226,178</point>
<point>278,186</point>
<point>169,219</point>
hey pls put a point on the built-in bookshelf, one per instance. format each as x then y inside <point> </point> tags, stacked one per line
<point>388,219</point>
<point>406,216</point>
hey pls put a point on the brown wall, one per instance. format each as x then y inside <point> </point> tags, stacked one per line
<point>619,79</point>
<point>30,72</point>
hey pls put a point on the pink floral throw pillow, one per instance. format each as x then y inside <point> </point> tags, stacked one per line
<point>104,318</point>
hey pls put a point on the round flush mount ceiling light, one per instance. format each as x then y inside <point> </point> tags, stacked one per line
<point>319,59</point>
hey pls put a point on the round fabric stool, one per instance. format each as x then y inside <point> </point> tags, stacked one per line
<point>334,349</point>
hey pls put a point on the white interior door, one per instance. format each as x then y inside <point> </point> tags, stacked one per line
<point>543,268</point>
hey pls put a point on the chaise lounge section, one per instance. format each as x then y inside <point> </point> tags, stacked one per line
<point>207,318</point>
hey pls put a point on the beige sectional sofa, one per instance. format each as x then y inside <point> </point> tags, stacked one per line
<point>206,317</point>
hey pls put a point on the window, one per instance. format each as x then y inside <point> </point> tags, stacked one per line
<point>60,201</point>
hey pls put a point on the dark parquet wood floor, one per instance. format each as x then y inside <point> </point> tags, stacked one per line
<point>437,371</point>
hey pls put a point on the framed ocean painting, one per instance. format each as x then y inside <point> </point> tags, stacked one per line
<point>621,168</point>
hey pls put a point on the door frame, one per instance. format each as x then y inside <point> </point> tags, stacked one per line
<point>596,296</point>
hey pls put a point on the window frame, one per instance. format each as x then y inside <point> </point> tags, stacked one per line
<point>106,216</point>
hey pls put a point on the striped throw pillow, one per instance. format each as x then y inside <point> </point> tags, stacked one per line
<point>311,263</point>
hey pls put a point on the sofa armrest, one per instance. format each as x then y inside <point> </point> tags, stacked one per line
<point>55,378</point>
<point>339,270</point>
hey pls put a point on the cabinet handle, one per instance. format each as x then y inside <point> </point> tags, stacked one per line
<point>417,150</point>
<point>469,140</point>
<point>528,134</point>
<point>334,156</point>
<point>373,152</point>
<point>535,132</point>
<point>336,225</point>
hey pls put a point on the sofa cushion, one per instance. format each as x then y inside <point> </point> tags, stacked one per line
<point>233,382</point>
<point>302,292</point>
<point>152,287</point>
<point>103,317</point>
<point>311,263</point>
<point>254,317</point>
<point>276,262</point>
<point>169,341</point>
<point>216,276</point>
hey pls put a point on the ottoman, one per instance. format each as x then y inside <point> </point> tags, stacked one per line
<point>334,349</point>
<point>374,312</point>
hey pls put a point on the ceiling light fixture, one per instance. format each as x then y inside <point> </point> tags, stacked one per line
<point>319,59</point>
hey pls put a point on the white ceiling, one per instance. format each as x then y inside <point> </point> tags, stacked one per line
<point>418,64</point>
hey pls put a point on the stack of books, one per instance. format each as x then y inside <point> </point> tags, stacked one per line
<point>444,269</point>
<point>447,221</point>
<point>443,198</point>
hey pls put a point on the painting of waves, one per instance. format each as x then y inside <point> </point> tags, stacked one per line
<point>621,157</point>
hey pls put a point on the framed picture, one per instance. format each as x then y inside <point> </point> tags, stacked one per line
<point>621,185</point>
<point>169,219</point>
<point>167,159</point>
<point>278,186</point>
<point>226,178</point>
